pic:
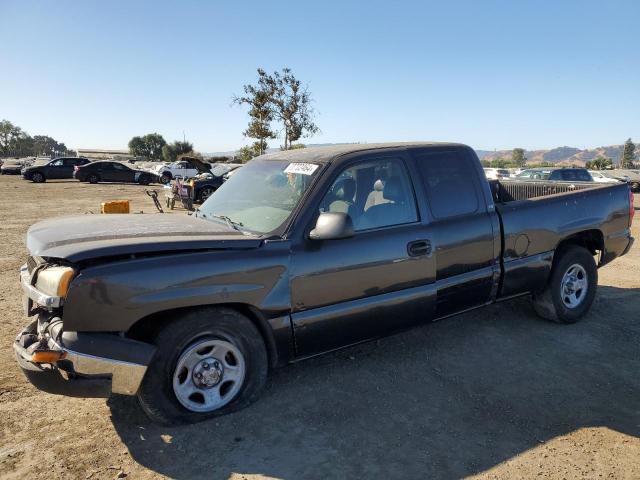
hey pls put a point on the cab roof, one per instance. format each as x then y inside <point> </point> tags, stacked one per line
<point>329,153</point>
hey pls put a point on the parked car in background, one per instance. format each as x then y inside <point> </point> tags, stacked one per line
<point>205,184</point>
<point>14,166</point>
<point>556,174</point>
<point>185,168</point>
<point>58,168</point>
<point>107,171</point>
<point>496,173</point>
<point>600,177</point>
<point>632,177</point>
<point>294,256</point>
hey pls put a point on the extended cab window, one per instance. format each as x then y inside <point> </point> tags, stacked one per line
<point>448,178</point>
<point>375,194</point>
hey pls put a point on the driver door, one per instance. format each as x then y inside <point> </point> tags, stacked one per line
<point>121,173</point>
<point>56,169</point>
<point>376,282</point>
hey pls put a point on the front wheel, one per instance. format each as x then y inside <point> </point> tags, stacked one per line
<point>93,178</point>
<point>37,177</point>
<point>209,362</point>
<point>165,178</point>
<point>571,287</point>
<point>205,193</point>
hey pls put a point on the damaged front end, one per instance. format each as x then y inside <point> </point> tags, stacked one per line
<point>78,364</point>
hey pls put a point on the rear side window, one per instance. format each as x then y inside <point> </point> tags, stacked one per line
<point>449,180</point>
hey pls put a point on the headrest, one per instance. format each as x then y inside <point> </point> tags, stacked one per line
<point>393,190</point>
<point>378,186</point>
<point>345,189</point>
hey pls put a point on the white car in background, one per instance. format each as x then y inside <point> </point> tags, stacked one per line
<point>184,169</point>
<point>496,173</point>
<point>600,177</point>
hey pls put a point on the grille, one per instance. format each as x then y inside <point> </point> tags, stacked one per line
<point>33,262</point>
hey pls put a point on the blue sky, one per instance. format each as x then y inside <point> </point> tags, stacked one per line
<point>493,74</point>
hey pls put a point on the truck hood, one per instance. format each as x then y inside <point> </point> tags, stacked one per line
<point>85,237</point>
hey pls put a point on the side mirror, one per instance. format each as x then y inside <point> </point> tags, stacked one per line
<point>332,226</point>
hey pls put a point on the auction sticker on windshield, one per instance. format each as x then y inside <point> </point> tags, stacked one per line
<point>303,168</point>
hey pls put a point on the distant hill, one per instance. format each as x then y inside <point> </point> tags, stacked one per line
<point>559,155</point>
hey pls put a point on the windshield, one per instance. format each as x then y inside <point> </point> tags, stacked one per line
<point>261,196</point>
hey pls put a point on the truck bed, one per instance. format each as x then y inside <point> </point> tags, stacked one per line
<point>504,191</point>
<point>536,216</point>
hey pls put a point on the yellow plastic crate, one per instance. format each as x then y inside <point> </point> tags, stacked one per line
<point>115,206</point>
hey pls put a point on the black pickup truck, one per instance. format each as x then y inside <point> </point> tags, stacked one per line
<point>299,253</point>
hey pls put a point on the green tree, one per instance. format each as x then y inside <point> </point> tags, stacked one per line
<point>292,106</point>
<point>148,146</point>
<point>599,163</point>
<point>259,98</point>
<point>171,151</point>
<point>10,137</point>
<point>248,152</point>
<point>628,154</point>
<point>47,146</point>
<point>518,157</point>
<point>282,97</point>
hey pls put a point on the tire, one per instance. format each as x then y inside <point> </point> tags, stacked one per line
<point>93,178</point>
<point>574,266</point>
<point>38,177</point>
<point>231,332</point>
<point>635,187</point>
<point>205,193</point>
<point>165,178</point>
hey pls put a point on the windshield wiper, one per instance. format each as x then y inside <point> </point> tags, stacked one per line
<point>231,223</point>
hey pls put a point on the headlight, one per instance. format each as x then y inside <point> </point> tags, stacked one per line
<point>55,281</point>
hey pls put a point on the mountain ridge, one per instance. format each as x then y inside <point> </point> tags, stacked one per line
<point>564,155</point>
<point>560,155</point>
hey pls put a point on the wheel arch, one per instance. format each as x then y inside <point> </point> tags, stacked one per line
<point>592,240</point>
<point>145,327</point>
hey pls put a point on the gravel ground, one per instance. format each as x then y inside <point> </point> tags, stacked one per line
<point>496,393</point>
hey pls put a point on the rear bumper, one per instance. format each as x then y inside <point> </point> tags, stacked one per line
<point>617,245</point>
<point>92,364</point>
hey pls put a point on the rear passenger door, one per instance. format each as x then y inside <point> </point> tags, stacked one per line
<point>465,230</point>
<point>381,279</point>
<point>68,165</point>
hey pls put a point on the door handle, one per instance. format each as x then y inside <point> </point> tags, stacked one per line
<point>418,248</point>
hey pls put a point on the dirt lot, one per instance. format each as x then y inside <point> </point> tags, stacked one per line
<point>496,393</point>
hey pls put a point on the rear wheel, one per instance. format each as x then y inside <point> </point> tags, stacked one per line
<point>93,178</point>
<point>38,177</point>
<point>635,186</point>
<point>165,178</point>
<point>209,362</point>
<point>571,287</point>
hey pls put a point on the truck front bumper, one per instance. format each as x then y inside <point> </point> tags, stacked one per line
<point>85,365</point>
